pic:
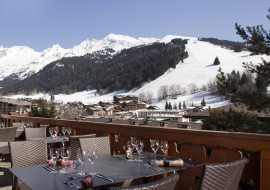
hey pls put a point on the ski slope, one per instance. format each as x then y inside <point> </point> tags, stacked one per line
<point>198,68</point>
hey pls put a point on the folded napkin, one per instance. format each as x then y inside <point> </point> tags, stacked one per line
<point>58,163</point>
<point>87,180</point>
<point>169,163</point>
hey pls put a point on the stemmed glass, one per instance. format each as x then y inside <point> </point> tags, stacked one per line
<point>3,125</point>
<point>131,145</point>
<point>69,130</point>
<point>56,130</point>
<point>54,153</point>
<point>64,129</point>
<point>139,147</point>
<point>164,147</point>
<point>81,154</point>
<point>51,130</point>
<point>155,147</point>
<point>65,154</point>
<point>92,157</point>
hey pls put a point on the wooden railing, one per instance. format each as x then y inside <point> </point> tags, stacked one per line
<point>224,146</point>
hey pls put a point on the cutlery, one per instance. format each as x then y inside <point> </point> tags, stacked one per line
<point>67,182</point>
<point>47,168</point>
<point>73,177</point>
<point>74,185</point>
<point>155,168</point>
<point>77,165</point>
<point>104,177</point>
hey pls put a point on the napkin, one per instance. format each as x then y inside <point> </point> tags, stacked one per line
<point>87,180</point>
<point>169,163</point>
<point>50,162</point>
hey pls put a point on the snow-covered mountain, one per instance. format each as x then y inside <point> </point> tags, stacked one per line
<point>24,61</point>
<point>198,69</point>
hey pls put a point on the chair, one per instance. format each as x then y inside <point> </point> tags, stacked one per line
<point>167,183</point>
<point>27,153</point>
<point>222,176</point>
<point>35,133</point>
<point>7,135</point>
<point>100,144</point>
<point>74,144</point>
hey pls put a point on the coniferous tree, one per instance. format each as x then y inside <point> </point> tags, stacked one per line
<point>175,106</point>
<point>34,110</point>
<point>259,40</point>
<point>203,102</point>
<point>170,106</point>
<point>52,112</point>
<point>180,106</point>
<point>166,106</point>
<point>216,61</point>
<point>184,105</point>
<point>44,112</point>
<point>192,104</point>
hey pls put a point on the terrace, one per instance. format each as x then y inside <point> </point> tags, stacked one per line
<point>199,145</point>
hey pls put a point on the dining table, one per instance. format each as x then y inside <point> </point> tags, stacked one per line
<point>118,168</point>
<point>50,139</point>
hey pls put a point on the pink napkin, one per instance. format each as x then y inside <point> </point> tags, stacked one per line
<point>50,162</point>
<point>87,180</point>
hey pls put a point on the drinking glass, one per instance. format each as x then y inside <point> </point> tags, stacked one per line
<point>131,145</point>
<point>81,154</point>
<point>139,147</point>
<point>51,130</point>
<point>69,130</point>
<point>3,125</point>
<point>56,130</point>
<point>92,157</point>
<point>64,130</point>
<point>54,153</point>
<point>155,147</point>
<point>65,154</point>
<point>164,147</point>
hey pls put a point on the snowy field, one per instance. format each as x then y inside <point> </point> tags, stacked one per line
<point>198,68</point>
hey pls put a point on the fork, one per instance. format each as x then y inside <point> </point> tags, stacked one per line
<point>68,183</point>
<point>149,167</point>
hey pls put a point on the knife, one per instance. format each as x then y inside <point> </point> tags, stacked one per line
<point>104,177</point>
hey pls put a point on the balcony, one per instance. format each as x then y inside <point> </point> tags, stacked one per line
<point>198,145</point>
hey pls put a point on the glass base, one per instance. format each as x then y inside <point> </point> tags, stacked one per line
<point>64,171</point>
<point>54,172</point>
<point>81,174</point>
<point>139,160</point>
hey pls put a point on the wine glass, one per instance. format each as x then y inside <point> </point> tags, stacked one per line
<point>64,129</point>
<point>155,147</point>
<point>139,147</point>
<point>56,130</point>
<point>54,153</point>
<point>51,130</point>
<point>3,125</point>
<point>92,157</point>
<point>131,145</point>
<point>65,154</point>
<point>81,154</point>
<point>164,147</point>
<point>69,130</point>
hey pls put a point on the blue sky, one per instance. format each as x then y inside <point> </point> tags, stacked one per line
<point>39,24</point>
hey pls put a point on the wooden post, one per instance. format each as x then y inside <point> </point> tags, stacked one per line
<point>74,131</point>
<point>265,170</point>
<point>15,183</point>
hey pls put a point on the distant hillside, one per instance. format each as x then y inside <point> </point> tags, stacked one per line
<point>101,71</point>
<point>236,46</point>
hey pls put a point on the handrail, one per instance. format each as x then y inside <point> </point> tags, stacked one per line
<point>226,144</point>
<point>223,139</point>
